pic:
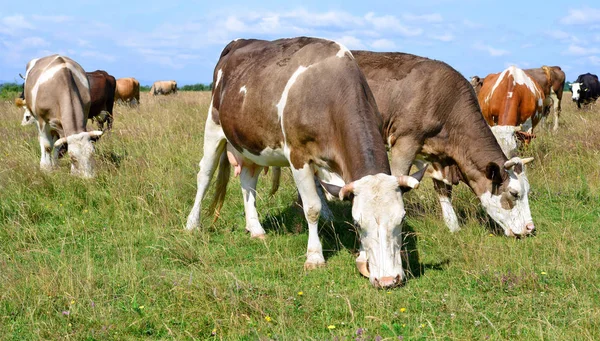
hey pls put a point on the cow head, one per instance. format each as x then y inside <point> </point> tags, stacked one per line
<point>81,152</point>
<point>507,200</point>
<point>378,211</point>
<point>577,89</point>
<point>477,83</point>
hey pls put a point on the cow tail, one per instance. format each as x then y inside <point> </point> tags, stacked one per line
<point>548,73</point>
<point>275,179</point>
<point>223,176</point>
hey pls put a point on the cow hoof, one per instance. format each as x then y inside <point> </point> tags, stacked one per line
<point>258,236</point>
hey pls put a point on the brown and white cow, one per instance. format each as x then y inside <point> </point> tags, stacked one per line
<point>510,99</point>
<point>57,94</point>
<point>430,112</point>
<point>551,79</point>
<point>304,103</point>
<point>127,90</point>
<point>102,93</point>
<point>163,88</point>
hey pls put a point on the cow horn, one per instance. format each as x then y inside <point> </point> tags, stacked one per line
<point>363,268</point>
<point>346,191</point>
<point>526,160</point>
<point>20,75</point>
<point>60,142</point>
<point>408,181</point>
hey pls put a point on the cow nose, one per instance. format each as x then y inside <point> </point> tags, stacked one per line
<point>387,282</point>
<point>530,227</point>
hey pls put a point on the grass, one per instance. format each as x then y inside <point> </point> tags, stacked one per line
<point>109,259</point>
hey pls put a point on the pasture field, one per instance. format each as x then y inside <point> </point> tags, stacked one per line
<point>109,259</point>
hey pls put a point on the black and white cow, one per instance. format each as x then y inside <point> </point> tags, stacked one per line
<point>586,89</point>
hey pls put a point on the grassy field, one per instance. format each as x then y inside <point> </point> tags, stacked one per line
<point>109,259</point>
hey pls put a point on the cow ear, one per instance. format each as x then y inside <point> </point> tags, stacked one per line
<point>492,172</point>
<point>418,175</point>
<point>332,189</point>
<point>344,193</point>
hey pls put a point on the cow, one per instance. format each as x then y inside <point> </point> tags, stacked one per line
<point>551,79</point>
<point>102,92</point>
<point>585,90</point>
<point>57,94</point>
<point>163,88</point>
<point>510,99</point>
<point>477,83</point>
<point>127,90</point>
<point>304,103</point>
<point>437,119</point>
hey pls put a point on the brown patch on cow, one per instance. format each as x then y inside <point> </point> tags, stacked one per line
<point>102,94</point>
<point>549,78</point>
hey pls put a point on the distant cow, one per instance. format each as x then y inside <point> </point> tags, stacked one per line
<point>551,79</point>
<point>102,92</point>
<point>437,119</point>
<point>127,90</point>
<point>586,89</point>
<point>304,103</point>
<point>58,96</point>
<point>163,88</point>
<point>509,99</point>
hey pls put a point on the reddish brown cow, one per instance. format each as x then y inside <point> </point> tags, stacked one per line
<point>509,99</point>
<point>102,92</point>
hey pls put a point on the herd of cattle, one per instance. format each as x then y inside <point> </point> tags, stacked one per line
<point>330,114</point>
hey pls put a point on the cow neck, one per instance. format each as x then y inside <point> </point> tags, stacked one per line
<point>362,148</point>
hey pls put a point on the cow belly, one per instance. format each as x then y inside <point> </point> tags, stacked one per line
<point>268,157</point>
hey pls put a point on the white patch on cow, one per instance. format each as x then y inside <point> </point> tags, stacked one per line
<point>498,81</point>
<point>243,89</point>
<point>519,77</point>
<point>510,94</point>
<point>248,180</point>
<point>343,50</point>
<point>575,88</point>
<point>283,101</point>
<point>268,157</point>
<point>219,75</point>
<point>379,211</point>
<point>540,102</point>
<point>30,65</point>
<point>505,135</point>
<point>514,221</point>
<point>28,118</point>
<point>448,213</point>
<point>436,174</point>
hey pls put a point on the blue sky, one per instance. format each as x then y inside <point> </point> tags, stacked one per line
<point>182,40</point>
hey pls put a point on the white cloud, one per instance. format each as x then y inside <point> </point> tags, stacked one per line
<point>429,18</point>
<point>595,60</point>
<point>578,50</point>
<point>390,22</point>
<point>31,42</point>
<point>14,25</point>
<point>52,18</point>
<point>383,44</point>
<point>447,37</point>
<point>492,51</point>
<point>581,16</point>
<point>558,34</point>
<point>235,25</point>
<point>98,55</point>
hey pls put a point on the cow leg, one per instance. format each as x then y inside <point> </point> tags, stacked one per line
<point>248,179</point>
<point>49,154</point>
<point>404,152</point>
<point>214,145</point>
<point>557,112</point>
<point>444,192</point>
<point>311,204</point>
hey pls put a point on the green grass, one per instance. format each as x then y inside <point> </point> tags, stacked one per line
<point>109,259</point>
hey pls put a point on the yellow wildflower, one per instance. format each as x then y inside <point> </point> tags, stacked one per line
<point>544,273</point>
<point>300,293</point>
<point>330,327</point>
<point>141,307</point>
<point>402,310</point>
<point>72,302</point>
<point>268,318</point>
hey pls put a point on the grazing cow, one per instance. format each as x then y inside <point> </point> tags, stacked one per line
<point>437,119</point>
<point>551,79</point>
<point>509,99</point>
<point>163,88</point>
<point>58,96</point>
<point>304,103</point>
<point>102,92</point>
<point>477,83</point>
<point>127,90</point>
<point>586,89</point>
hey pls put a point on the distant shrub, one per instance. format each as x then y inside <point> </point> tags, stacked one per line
<point>145,88</point>
<point>567,86</point>
<point>10,90</point>
<point>196,87</point>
